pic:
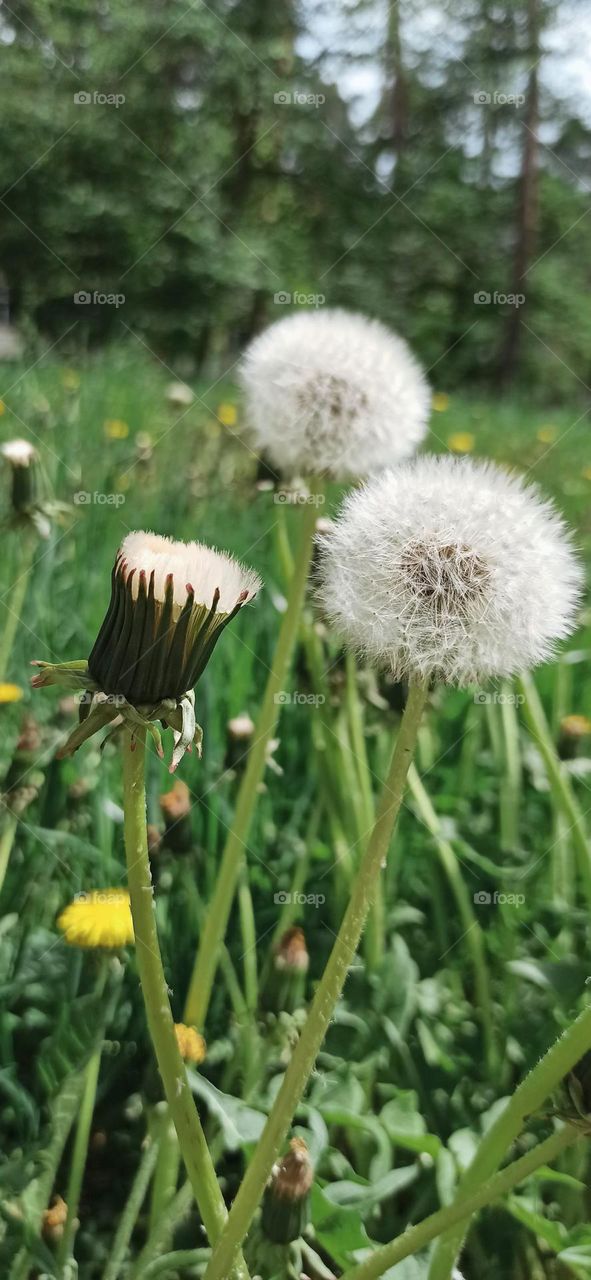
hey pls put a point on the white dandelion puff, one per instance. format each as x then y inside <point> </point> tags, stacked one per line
<point>450,569</point>
<point>19,453</point>
<point>334,392</point>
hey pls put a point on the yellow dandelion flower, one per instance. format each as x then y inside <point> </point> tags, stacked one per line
<point>461,441</point>
<point>586,472</point>
<point>440,402</point>
<point>70,380</point>
<point>10,692</point>
<point>2,408</point>
<point>227,414</point>
<point>547,435</point>
<point>191,1045</point>
<point>116,429</point>
<point>101,918</point>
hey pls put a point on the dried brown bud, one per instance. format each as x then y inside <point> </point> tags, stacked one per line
<point>54,1218</point>
<point>291,953</point>
<point>286,1202</point>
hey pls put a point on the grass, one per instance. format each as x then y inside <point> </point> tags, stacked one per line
<point>405,1082</point>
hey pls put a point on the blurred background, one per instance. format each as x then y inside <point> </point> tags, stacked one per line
<point>190,172</point>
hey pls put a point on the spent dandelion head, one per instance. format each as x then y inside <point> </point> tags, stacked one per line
<point>170,602</point>
<point>334,392</point>
<point>452,570</point>
<point>101,918</point>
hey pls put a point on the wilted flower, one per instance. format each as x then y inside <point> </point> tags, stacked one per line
<point>28,506</point>
<point>170,602</point>
<point>451,569</point>
<point>191,1045</point>
<point>101,918</point>
<point>334,392</point>
<point>286,1203</point>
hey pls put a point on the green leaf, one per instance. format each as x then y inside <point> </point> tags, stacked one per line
<point>239,1123</point>
<point>524,1210</point>
<point>340,1231</point>
<point>367,1196</point>
<point>405,1125</point>
<point>72,1043</point>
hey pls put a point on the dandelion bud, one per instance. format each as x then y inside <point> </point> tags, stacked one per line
<point>331,391</point>
<point>54,1220</point>
<point>175,806</point>
<point>286,1203</point>
<point>23,460</point>
<point>452,570</point>
<point>291,953</point>
<point>574,730</point>
<point>170,602</point>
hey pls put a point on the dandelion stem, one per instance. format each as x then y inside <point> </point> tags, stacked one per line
<point>327,994</point>
<point>132,1208</point>
<point>182,1108</point>
<point>562,790</point>
<point>472,932</point>
<point>79,1154</point>
<point>13,606</point>
<point>417,1236</point>
<point>220,906</point>
<point>530,1095</point>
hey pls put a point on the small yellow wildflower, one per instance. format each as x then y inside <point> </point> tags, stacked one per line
<point>586,473</point>
<point>227,414</point>
<point>116,429</point>
<point>10,692</point>
<point>547,435</point>
<point>101,918</point>
<point>440,402</point>
<point>70,380</point>
<point>461,441</point>
<point>191,1045</point>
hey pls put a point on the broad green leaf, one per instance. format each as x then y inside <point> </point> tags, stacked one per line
<point>239,1122</point>
<point>340,1231</point>
<point>406,1127</point>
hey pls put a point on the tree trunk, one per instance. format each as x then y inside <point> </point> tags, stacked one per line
<point>527,207</point>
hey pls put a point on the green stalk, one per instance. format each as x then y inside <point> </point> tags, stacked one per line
<point>416,1237</point>
<point>182,1108</point>
<point>220,906</point>
<point>6,843</point>
<point>374,935</point>
<point>542,1080</point>
<point>13,607</point>
<point>472,931</point>
<point>130,1213</point>
<point>327,994</point>
<point>511,780</point>
<point>562,792</point>
<point>78,1163</point>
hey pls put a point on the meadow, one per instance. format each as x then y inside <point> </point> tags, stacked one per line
<point>476,956</point>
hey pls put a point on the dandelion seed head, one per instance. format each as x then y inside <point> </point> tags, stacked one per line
<point>451,569</point>
<point>332,391</point>
<point>191,564</point>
